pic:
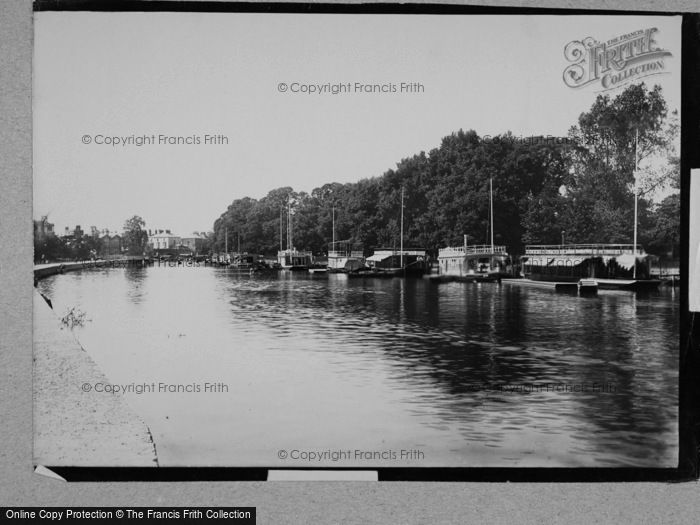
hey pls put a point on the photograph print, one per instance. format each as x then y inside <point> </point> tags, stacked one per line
<point>307,240</point>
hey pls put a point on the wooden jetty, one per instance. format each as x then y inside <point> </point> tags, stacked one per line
<point>588,285</point>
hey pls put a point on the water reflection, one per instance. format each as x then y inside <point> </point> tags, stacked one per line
<point>337,361</point>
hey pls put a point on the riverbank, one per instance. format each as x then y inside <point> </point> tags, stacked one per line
<point>73,427</point>
<point>45,270</point>
<point>48,269</point>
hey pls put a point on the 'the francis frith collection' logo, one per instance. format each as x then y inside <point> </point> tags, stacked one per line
<point>614,62</point>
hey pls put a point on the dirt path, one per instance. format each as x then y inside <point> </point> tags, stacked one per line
<point>73,427</point>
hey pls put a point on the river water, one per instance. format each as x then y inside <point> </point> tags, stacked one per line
<point>313,370</point>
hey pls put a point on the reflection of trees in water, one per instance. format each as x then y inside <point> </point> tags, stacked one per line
<point>460,336</point>
<point>443,341</point>
<point>135,278</point>
<point>636,350</point>
<point>599,345</point>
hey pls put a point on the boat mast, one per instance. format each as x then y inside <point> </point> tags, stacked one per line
<point>289,226</point>
<point>333,243</point>
<point>401,227</point>
<point>226,240</point>
<point>281,211</point>
<point>636,174</point>
<point>491,209</point>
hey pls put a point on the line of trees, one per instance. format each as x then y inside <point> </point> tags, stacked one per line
<point>53,248</point>
<point>579,189</point>
<point>83,246</point>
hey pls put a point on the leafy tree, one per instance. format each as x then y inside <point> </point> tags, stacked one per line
<point>135,237</point>
<point>610,139</point>
<point>540,188</point>
<point>50,248</point>
<point>663,233</point>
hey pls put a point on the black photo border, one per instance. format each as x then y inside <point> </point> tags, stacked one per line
<point>689,344</point>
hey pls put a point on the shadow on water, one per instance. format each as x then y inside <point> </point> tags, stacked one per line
<point>602,369</point>
<point>135,278</point>
<point>471,360</point>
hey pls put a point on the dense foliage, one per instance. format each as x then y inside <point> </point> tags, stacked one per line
<point>580,189</point>
<point>82,246</point>
<point>135,237</point>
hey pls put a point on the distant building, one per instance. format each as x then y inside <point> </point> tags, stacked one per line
<point>75,233</point>
<point>163,240</point>
<point>110,245</point>
<point>194,243</point>
<point>43,228</point>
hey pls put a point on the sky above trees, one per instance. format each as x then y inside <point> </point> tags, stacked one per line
<point>187,75</point>
<point>580,190</point>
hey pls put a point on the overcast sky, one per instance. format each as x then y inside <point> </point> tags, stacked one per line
<point>191,74</point>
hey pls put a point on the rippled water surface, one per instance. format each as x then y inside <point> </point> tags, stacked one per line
<point>467,374</point>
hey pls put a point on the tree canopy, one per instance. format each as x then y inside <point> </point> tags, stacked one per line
<point>135,237</point>
<point>582,186</point>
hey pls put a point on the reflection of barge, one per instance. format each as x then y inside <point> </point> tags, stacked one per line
<point>612,266</point>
